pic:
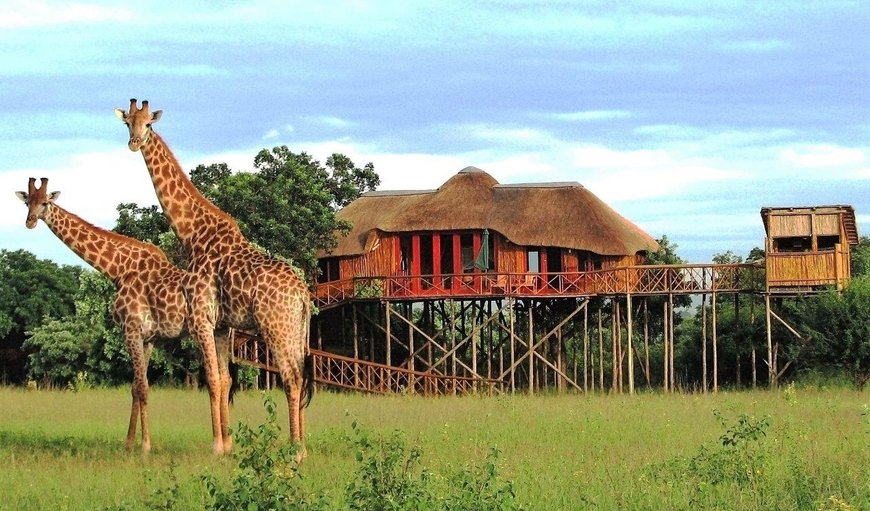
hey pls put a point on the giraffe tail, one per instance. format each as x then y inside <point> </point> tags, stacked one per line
<point>308,364</point>
<point>308,380</point>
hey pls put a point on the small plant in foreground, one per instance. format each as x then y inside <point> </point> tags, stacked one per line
<point>481,489</point>
<point>266,475</point>
<point>738,458</point>
<point>388,477</point>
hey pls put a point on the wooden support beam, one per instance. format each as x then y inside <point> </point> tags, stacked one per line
<point>771,364</point>
<point>715,348</point>
<point>704,343</point>
<point>630,345</point>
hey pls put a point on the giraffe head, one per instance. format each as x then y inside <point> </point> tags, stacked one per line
<point>138,121</point>
<point>38,200</point>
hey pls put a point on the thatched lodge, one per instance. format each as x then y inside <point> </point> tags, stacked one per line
<point>472,224</point>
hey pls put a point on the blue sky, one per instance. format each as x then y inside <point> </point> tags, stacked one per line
<point>687,117</point>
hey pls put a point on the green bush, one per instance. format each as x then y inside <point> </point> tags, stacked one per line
<point>266,473</point>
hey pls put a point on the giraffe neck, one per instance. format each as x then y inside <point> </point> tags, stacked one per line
<point>187,210</point>
<point>108,252</point>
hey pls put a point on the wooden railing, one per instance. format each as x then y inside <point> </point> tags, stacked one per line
<point>361,375</point>
<point>807,269</point>
<point>638,280</point>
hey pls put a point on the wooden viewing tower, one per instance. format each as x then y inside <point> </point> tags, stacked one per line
<point>480,286</point>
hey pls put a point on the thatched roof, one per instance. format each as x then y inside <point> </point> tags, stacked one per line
<point>541,214</point>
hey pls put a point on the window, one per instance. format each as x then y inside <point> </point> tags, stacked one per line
<point>828,243</point>
<point>447,254</point>
<point>554,260</point>
<point>533,260</point>
<point>327,269</point>
<point>405,254</point>
<point>793,244</point>
<point>466,249</point>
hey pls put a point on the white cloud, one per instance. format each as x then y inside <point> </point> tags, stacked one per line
<point>332,121</point>
<point>590,115</point>
<point>499,134</point>
<point>35,13</point>
<point>757,46</point>
<point>822,156</point>
<point>91,186</point>
<point>643,174</point>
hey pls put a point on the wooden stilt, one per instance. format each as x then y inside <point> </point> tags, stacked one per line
<point>666,352</point>
<point>513,345</point>
<point>388,312</point>
<point>704,342</point>
<point>630,345</point>
<point>531,349</point>
<point>771,368</point>
<point>586,351</point>
<point>600,351</point>
<point>715,348</point>
<point>646,342</point>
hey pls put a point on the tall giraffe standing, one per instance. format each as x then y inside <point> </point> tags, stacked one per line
<point>232,284</point>
<point>150,303</point>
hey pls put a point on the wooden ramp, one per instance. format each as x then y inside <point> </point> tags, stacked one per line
<point>361,375</point>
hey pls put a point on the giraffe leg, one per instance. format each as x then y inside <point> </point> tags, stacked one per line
<point>223,349</point>
<point>283,326</point>
<point>212,377</point>
<point>139,389</point>
<point>134,419</point>
<point>143,402</point>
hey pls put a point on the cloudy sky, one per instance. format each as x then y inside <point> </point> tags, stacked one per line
<point>687,117</point>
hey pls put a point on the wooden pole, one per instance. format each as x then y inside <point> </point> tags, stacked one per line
<point>600,352</point>
<point>673,349</point>
<point>474,344</point>
<point>586,351</point>
<point>513,345</point>
<point>531,350</point>
<point>388,312</point>
<point>614,349</point>
<point>771,370</point>
<point>666,354</point>
<point>630,346</point>
<point>715,348</point>
<point>646,341</point>
<point>704,342</point>
<point>453,335</point>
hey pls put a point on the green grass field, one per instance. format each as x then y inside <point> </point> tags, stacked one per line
<point>794,449</point>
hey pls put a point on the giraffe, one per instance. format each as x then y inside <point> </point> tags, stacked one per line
<point>232,284</point>
<point>150,303</point>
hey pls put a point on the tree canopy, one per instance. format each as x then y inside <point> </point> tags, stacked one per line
<point>286,205</point>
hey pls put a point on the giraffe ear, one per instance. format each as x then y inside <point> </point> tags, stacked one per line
<point>53,196</point>
<point>155,116</point>
<point>121,114</point>
<point>22,196</point>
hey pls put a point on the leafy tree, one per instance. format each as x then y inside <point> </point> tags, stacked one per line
<point>838,331</point>
<point>31,290</point>
<point>861,257</point>
<point>666,254</point>
<point>60,349</point>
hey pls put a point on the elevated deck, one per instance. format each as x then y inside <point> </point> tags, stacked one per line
<point>634,280</point>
